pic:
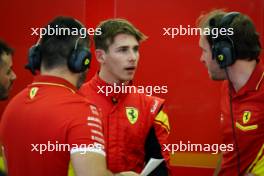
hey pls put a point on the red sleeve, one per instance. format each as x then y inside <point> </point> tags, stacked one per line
<point>86,132</point>
<point>162,130</point>
<point>161,126</point>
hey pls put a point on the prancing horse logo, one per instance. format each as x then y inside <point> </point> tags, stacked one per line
<point>246,117</point>
<point>132,114</point>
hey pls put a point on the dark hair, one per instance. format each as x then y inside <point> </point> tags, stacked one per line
<point>5,49</point>
<point>246,39</point>
<point>56,49</point>
<point>112,27</point>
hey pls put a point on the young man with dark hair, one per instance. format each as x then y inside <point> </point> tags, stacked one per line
<point>7,75</point>
<point>48,123</point>
<point>136,126</point>
<point>235,59</point>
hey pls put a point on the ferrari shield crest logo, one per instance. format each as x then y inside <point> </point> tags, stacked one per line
<point>132,114</point>
<point>246,116</point>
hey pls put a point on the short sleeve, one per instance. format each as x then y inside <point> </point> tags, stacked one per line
<point>85,132</point>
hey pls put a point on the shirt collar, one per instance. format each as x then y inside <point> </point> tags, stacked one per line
<point>254,81</point>
<point>53,81</point>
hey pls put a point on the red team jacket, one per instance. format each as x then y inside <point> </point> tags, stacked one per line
<point>46,122</point>
<point>131,122</point>
<point>248,110</point>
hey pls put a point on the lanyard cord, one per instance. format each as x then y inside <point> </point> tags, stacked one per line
<point>233,124</point>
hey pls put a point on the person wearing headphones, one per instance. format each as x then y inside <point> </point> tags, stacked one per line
<point>234,59</point>
<point>136,126</point>
<point>48,123</point>
<point>7,77</point>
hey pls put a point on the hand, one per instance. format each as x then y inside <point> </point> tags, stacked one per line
<point>249,174</point>
<point>128,173</point>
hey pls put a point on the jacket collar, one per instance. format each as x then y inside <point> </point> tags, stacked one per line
<point>53,81</point>
<point>254,82</point>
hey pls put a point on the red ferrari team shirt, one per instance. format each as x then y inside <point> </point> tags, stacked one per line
<point>248,110</point>
<point>127,119</point>
<point>44,124</point>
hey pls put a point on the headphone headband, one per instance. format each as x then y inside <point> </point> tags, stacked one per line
<point>228,19</point>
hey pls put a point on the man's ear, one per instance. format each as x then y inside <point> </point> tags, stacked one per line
<point>100,55</point>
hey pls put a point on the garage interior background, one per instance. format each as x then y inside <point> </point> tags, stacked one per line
<point>192,98</point>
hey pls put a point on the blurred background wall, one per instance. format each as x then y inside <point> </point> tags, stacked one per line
<point>192,98</point>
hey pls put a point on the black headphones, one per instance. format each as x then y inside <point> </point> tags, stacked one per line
<point>223,46</point>
<point>78,61</point>
<point>223,51</point>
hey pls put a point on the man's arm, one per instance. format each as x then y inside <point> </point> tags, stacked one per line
<point>158,136</point>
<point>89,164</point>
<point>93,164</point>
<point>86,137</point>
<point>153,150</point>
<point>218,165</point>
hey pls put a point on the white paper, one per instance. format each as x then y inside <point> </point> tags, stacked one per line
<point>151,165</point>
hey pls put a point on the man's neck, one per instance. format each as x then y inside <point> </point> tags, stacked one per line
<point>240,73</point>
<point>61,73</point>
<point>105,76</point>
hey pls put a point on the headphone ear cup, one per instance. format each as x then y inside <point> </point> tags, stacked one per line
<point>223,49</point>
<point>34,59</point>
<point>79,60</point>
<point>223,52</point>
